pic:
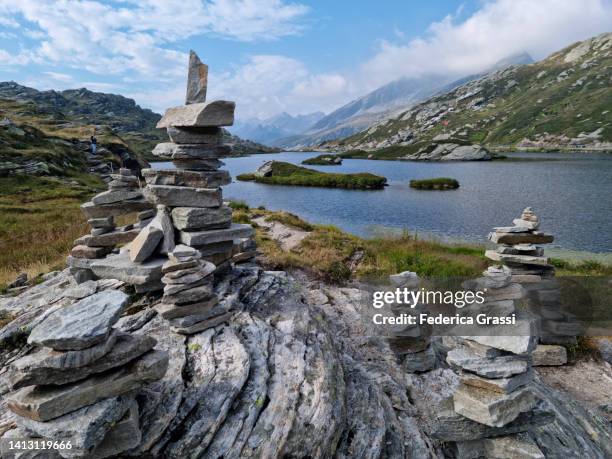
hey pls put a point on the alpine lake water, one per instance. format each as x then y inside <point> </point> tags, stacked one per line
<point>571,192</point>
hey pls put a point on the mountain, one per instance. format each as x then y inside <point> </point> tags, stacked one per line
<point>384,102</point>
<point>53,127</point>
<point>269,130</point>
<point>562,101</point>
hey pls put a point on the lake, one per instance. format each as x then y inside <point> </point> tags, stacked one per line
<point>571,192</point>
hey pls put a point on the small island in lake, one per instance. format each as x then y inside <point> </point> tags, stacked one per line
<point>440,183</point>
<point>281,173</point>
<point>323,160</point>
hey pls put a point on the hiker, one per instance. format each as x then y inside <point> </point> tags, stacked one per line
<point>94,143</point>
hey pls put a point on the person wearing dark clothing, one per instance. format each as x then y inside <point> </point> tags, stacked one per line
<point>94,143</point>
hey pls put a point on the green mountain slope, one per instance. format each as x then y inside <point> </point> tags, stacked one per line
<point>561,102</point>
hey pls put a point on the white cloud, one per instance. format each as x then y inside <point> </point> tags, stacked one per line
<point>499,29</point>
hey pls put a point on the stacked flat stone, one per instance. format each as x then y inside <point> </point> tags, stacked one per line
<point>189,302</point>
<point>518,251</point>
<point>122,197</point>
<point>411,343</point>
<point>79,385</point>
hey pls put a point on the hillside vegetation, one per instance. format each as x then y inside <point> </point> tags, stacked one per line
<point>561,102</point>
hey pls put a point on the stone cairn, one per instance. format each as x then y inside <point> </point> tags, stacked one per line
<point>79,386</point>
<point>518,250</point>
<point>189,199</point>
<point>411,343</point>
<point>123,196</point>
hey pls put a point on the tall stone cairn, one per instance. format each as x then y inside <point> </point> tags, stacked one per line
<point>79,385</point>
<point>191,196</point>
<point>122,197</point>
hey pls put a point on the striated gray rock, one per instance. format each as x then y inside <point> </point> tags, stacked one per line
<point>488,367</point>
<point>143,245</point>
<point>185,135</point>
<point>82,324</point>
<point>42,403</point>
<point>197,218</point>
<point>213,114</point>
<point>521,238</point>
<point>171,311</point>
<point>121,267</point>
<point>92,210</point>
<point>208,165</point>
<point>176,196</point>
<point>548,354</point>
<point>501,385</point>
<point>114,196</point>
<point>84,428</point>
<point>171,151</point>
<point>198,238</point>
<point>126,349</point>
<point>124,435</point>
<point>197,80</point>
<point>194,179</point>
<point>108,239</point>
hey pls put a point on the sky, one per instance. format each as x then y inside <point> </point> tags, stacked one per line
<point>273,56</point>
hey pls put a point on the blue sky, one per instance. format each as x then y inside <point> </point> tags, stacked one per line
<point>276,55</point>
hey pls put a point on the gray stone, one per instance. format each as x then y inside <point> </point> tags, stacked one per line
<point>406,279</point>
<point>82,290</point>
<point>195,218</point>
<point>188,321</point>
<point>124,435</point>
<point>523,343</point>
<point>209,135</point>
<point>171,151</point>
<point>109,239</point>
<point>521,238</point>
<point>520,259</point>
<point>146,214</point>
<point>174,289</point>
<point>164,223</point>
<point>520,446</point>
<point>84,428</point>
<point>492,408</point>
<point>200,238</point>
<point>171,311</point>
<point>43,403</point>
<point>172,265</point>
<point>511,229</point>
<point>122,268</point>
<point>548,354</point>
<point>419,362</point>
<point>175,196</point>
<point>107,222</point>
<point>92,210</point>
<point>208,165</point>
<point>143,245</point>
<point>492,367</point>
<point>99,231</point>
<point>520,249</point>
<point>217,248</point>
<point>195,179</point>
<point>512,291</point>
<point>527,224</point>
<point>109,197</point>
<point>83,251</point>
<point>204,325</point>
<point>215,113</point>
<point>197,80</point>
<point>82,324</point>
<point>501,385</point>
<point>190,295</point>
<point>127,348</point>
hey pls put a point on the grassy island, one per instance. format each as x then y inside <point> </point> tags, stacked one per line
<point>281,173</point>
<point>440,183</point>
<point>323,160</point>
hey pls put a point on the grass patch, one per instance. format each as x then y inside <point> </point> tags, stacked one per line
<point>580,268</point>
<point>440,183</point>
<point>39,221</point>
<point>289,174</point>
<point>289,219</point>
<point>323,160</point>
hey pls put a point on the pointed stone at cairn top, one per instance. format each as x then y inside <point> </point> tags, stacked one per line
<point>197,80</point>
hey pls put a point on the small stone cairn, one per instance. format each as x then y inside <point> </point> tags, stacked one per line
<point>518,251</point>
<point>79,386</point>
<point>190,209</point>
<point>123,196</point>
<point>411,343</point>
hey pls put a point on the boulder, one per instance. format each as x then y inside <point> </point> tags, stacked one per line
<point>82,324</point>
<point>197,80</point>
<point>195,179</point>
<point>43,403</point>
<point>169,150</point>
<point>175,196</point>
<point>197,218</point>
<point>492,408</point>
<point>265,170</point>
<point>204,114</point>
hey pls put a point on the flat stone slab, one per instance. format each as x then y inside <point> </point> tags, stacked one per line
<point>82,324</point>
<point>200,238</point>
<point>172,311</point>
<point>190,295</point>
<point>122,268</point>
<point>204,325</point>
<point>108,239</point>
<point>214,113</point>
<point>489,367</point>
<point>123,436</point>
<point>169,150</point>
<point>549,354</point>
<point>492,408</point>
<point>92,210</point>
<point>112,196</point>
<point>501,385</point>
<point>419,362</point>
<point>520,344</point>
<point>127,348</point>
<point>176,196</point>
<point>83,251</point>
<point>209,135</point>
<point>143,245</point>
<point>519,259</point>
<point>197,218</point>
<point>521,238</point>
<point>84,428</point>
<point>209,165</point>
<point>516,446</point>
<point>194,179</point>
<point>43,403</point>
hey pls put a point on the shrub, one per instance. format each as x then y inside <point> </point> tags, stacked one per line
<point>440,183</point>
